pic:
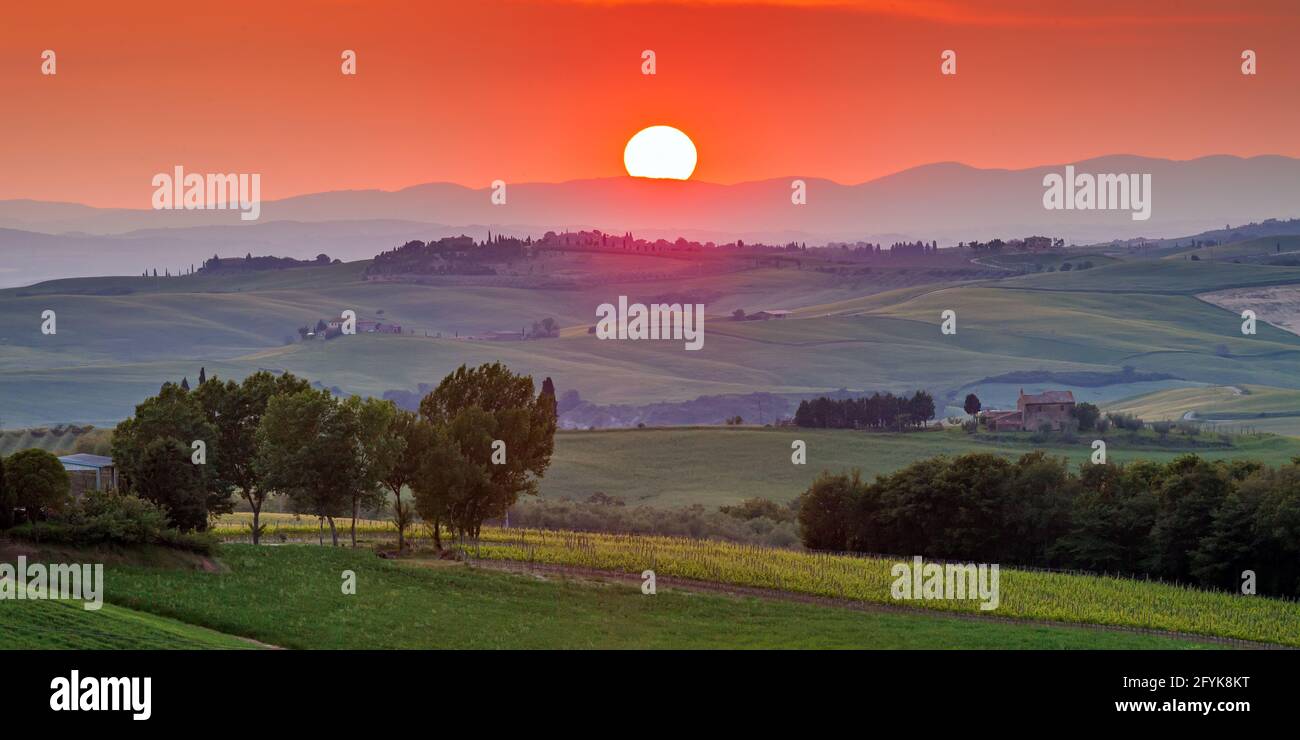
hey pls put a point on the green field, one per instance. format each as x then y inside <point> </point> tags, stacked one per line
<point>718,465</point>
<point>290,596</point>
<point>64,625</point>
<point>1265,246</point>
<point>1253,407</point>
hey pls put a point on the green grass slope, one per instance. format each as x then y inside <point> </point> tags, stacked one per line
<point>724,465</point>
<point>65,625</point>
<point>290,596</point>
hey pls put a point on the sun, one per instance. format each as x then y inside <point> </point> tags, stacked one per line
<point>661,152</point>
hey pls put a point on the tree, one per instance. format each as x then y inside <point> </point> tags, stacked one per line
<point>972,405</point>
<point>403,515</point>
<point>6,500</point>
<point>174,418</point>
<point>377,450</point>
<point>37,482</point>
<point>1036,510</point>
<point>235,410</point>
<point>416,438</point>
<point>203,376</point>
<point>307,448</point>
<point>501,430</point>
<point>921,407</point>
<point>165,476</point>
<point>1087,415</point>
<point>1192,490</point>
<point>826,511</point>
<point>444,479</point>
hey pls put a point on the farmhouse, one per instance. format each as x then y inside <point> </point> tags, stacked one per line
<point>89,472</point>
<point>1053,409</point>
<point>770,313</point>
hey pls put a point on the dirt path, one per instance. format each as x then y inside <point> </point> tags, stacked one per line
<point>765,593</point>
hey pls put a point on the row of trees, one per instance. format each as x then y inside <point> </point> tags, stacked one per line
<point>480,439</point>
<point>877,411</point>
<point>1190,520</point>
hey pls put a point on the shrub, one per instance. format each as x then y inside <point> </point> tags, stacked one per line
<point>1126,421</point>
<point>688,521</point>
<point>113,518</point>
<point>754,508</point>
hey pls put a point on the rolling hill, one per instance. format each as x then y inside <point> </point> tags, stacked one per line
<point>119,338</point>
<point>947,201</point>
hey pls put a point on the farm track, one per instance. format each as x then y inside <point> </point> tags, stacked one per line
<point>709,587</point>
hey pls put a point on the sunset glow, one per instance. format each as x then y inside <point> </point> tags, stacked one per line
<point>847,91</point>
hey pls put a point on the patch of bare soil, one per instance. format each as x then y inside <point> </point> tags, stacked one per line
<point>1278,305</point>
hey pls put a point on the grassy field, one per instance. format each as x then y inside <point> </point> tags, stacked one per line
<point>65,625</point>
<point>716,466</point>
<point>1213,402</point>
<point>1260,408</point>
<point>290,596</point>
<point>1269,246</point>
<point>1028,595</point>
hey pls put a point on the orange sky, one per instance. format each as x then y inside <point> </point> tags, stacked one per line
<point>548,90</point>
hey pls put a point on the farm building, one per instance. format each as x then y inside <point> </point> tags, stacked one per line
<point>1053,409</point>
<point>89,472</point>
<point>1002,421</point>
<point>770,313</point>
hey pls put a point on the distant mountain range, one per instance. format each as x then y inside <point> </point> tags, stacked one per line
<point>948,202</point>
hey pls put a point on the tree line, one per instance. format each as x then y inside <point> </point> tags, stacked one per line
<point>877,411</point>
<point>480,439</point>
<point>1189,520</point>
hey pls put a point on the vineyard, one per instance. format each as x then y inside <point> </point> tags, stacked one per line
<point>296,528</point>
<point>1033,595</point>
<point>1100,600</point>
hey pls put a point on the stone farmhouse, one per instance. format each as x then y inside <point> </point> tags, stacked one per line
<point>1054,409</point>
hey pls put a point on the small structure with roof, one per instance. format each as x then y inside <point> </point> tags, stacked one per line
<point>89,472</point>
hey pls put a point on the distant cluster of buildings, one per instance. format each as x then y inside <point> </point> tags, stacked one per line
<point>334,327</point>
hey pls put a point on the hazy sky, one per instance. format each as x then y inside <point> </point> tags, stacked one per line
<point>547,90</point>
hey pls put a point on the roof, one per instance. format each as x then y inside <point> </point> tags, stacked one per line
<point>87,461</point>
<point>776,311</point>
<point>1049,397</point>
